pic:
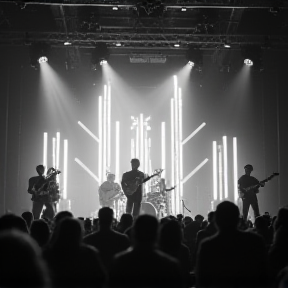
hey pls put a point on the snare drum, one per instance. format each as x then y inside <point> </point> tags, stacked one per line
<point>148,208</point>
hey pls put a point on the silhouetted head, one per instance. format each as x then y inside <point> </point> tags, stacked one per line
<point>21,264</point>
<point>68,233</point>
<point>261,223</point>
<point>145,230</point>
<point>40,232</point>
<point>170,236</point>
<point>11,221</point>
<point>105,216</point>
<point>199,218</point>
<point>282,218</point>
<point>227,216</point>
<point>126,219</point>
<point>211,217</point>
<point>61,215</point>
<point>28,217</point>
<point>248,169</point>
<point>40,169</point>
<point>135,163</point>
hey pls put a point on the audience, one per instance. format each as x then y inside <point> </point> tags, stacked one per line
<point>126,222</point>
<point>28,217</point>
<point>231,258</point>
<point>170,242</point>
<point>73,264</point>
<point>143,265</point>
<point>21,264</point>
<point>278,253</point>
<point>207,232</point>
<point>10,221</point>
<point>40,232</point>
<point>229,252</point>
<point>107,241</point>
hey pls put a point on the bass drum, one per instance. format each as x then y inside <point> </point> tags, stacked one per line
<point>148,208</point>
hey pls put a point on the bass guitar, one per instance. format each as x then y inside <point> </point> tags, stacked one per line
<point>243,192</point>
<point>130,186</point>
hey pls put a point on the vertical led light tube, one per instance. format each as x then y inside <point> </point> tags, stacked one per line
<point>117,152</point>
<point>65,169</point>
<point>172,159</point>
<point>176,131</point>
<point>149,156</point>
<point>105,134</point>
<point>100,125</point>
<point>54,152</point>
<point>235,169</point>
<point>163,149</point>
<point>58,154</point>
<point>109,126</point>
<point>141,126</point>
<point>220,171</point>
<point>180,145</point>
<point>132,148</point>
<point>45,148</point>
<point>215,175</point>
<point>225,166</point>
<point>57,149</point>
<point>146,166</point>
<point>137,140</point>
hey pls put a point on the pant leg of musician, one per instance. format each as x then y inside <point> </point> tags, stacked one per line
<point>255,206</point>
<point>136,209</point>
<point>137,199</point>
<point>50,210</point>
<point>129,205</point>
<point>37,209</point>
<point>246,205</point>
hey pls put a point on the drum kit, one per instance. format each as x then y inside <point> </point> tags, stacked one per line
<point>155,205</point>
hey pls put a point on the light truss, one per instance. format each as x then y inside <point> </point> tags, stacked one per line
<point>153,41</point>
<point>168,4</point>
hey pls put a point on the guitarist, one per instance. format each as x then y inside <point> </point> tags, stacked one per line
<point>134,199</point>
<point>249,197</point>
<point>40,198</point>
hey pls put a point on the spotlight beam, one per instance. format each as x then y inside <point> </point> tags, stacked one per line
<point>86,169</point>
<point>195,170</point>
<point>88,131</point>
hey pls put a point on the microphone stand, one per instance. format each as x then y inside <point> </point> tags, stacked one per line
<point>184,207</point>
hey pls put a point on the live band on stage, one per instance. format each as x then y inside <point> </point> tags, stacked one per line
<point>132,196</point>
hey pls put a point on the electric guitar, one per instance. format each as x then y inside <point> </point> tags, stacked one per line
<point>42,188</point>
<point>130,186</point>
<point>243,192</point>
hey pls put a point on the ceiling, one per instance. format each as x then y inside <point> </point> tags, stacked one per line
<point>150,26</point>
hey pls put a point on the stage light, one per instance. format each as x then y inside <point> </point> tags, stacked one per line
<point>248,62</point>
<point>252,56</point>
<point>194,57</point>
<point>43,59</point>
<point>38,54</point>
<point>100,55</point>
<point>102,62</point>
<point>192,64</point>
